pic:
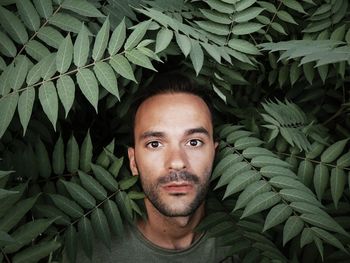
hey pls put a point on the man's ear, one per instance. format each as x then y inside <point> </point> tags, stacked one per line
<point>132,162</point>
<point>216,144</point>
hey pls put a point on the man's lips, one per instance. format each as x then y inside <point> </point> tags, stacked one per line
<point>178,187</point>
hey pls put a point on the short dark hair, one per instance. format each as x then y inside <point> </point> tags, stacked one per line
<point>170,83</point>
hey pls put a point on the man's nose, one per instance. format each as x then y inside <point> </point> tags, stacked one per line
<point>176,159</point>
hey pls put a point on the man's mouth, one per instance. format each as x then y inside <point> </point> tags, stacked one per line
<point>178,187</point>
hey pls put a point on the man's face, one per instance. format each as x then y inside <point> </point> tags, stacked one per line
<point>174,152</point>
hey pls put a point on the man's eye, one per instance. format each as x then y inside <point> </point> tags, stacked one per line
<point>153,144</point>
<point>195,143</point>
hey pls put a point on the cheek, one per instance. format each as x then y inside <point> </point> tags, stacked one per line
<point>148,162</point>
<point>201,160</point>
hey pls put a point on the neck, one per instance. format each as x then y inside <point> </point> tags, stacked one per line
<point>170,232</point>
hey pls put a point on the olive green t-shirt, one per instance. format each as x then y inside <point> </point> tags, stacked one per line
<point>134,247</point>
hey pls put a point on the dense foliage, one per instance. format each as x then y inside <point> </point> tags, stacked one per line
<point>279,70</point>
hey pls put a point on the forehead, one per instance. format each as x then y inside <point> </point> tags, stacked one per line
<point>172,112</point>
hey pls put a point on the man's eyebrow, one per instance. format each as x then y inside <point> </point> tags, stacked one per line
<point>149,134</point>
<point>197,130</point>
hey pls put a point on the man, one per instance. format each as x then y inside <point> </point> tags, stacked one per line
<point>173,154</point>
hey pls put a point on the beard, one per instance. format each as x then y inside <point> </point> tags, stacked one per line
<point>152,192</point>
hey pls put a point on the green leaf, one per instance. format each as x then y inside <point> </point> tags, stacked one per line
<point>7,47</point>
<point>283,15</point>
<point>43,160</point>
<point>85,234</point>
<point>64,55</point>
<point>72,155</point>
<point>13,26</point>
<point>88,85</point>
<point>277,215</point>
<point>82,7</point>
<point>128,182</point>
<point>235,135</point>
<point>107,78</point>
<point>100,225</point>
<point>44,7</point>
<point>114,218</point>
<point>101,41</point>
<point>307,237</point>
<point>184,43</point>
<point>19,72</point>
<point>50,36</point>
<point>117,38</point>
<point>122,66</point>
<point>214,28</point>
<point>216,17</point>
<point>261,202</point>
<point>86,153</point>
<point>80,195</point>
<point>247,14</point>
<point>295,5</point>
<point>234,170</point>
<point>8,202</point>
<point>338,181</point>
<point>93,186</point>
<point>324,222</point>
<point>344,161</point>
<point>244,4</point>
<point>8,106</point>
<point>5,239</point>
<point>66,92</point>
<point>71,243</point>
<point>285,182</point>
<point>81,47</point>
<point>52,212</point>
<point>243,46</point>
<point>137,35</point>
<point>252,152</point>
<point>66,22</point>
<point>36,50</point>
<point>321,179</point>
<point>36,252</point>
<point>58,157</point>
<point>250,192</point>
<point>28,232</point>
<point>246,142</point>
<point>309,72</point>
<point>261,161</point>
<point>241,181</point>
<point>34,74</point>
<point>163,39</point>
<point>292,228</point>
<point>297,195</point>
<point>25,107</point>
<point>114,168</point>
<point>197,56</point>
<point>333,151</point>
<point>221,6</point>
<point>16,213</point>
<point>295,72</point>
<point>305,172</point>
<point>105,178</point>
<point>329,238</point>
<point>213,51</point>
<point>246,28</point>
<point>278,27</point>
<point>136,195</point>
<point>67,206</point>
<point>48,66</point>
<point>6,193</point>
<point>49,101</point>
<point>138,58</point>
